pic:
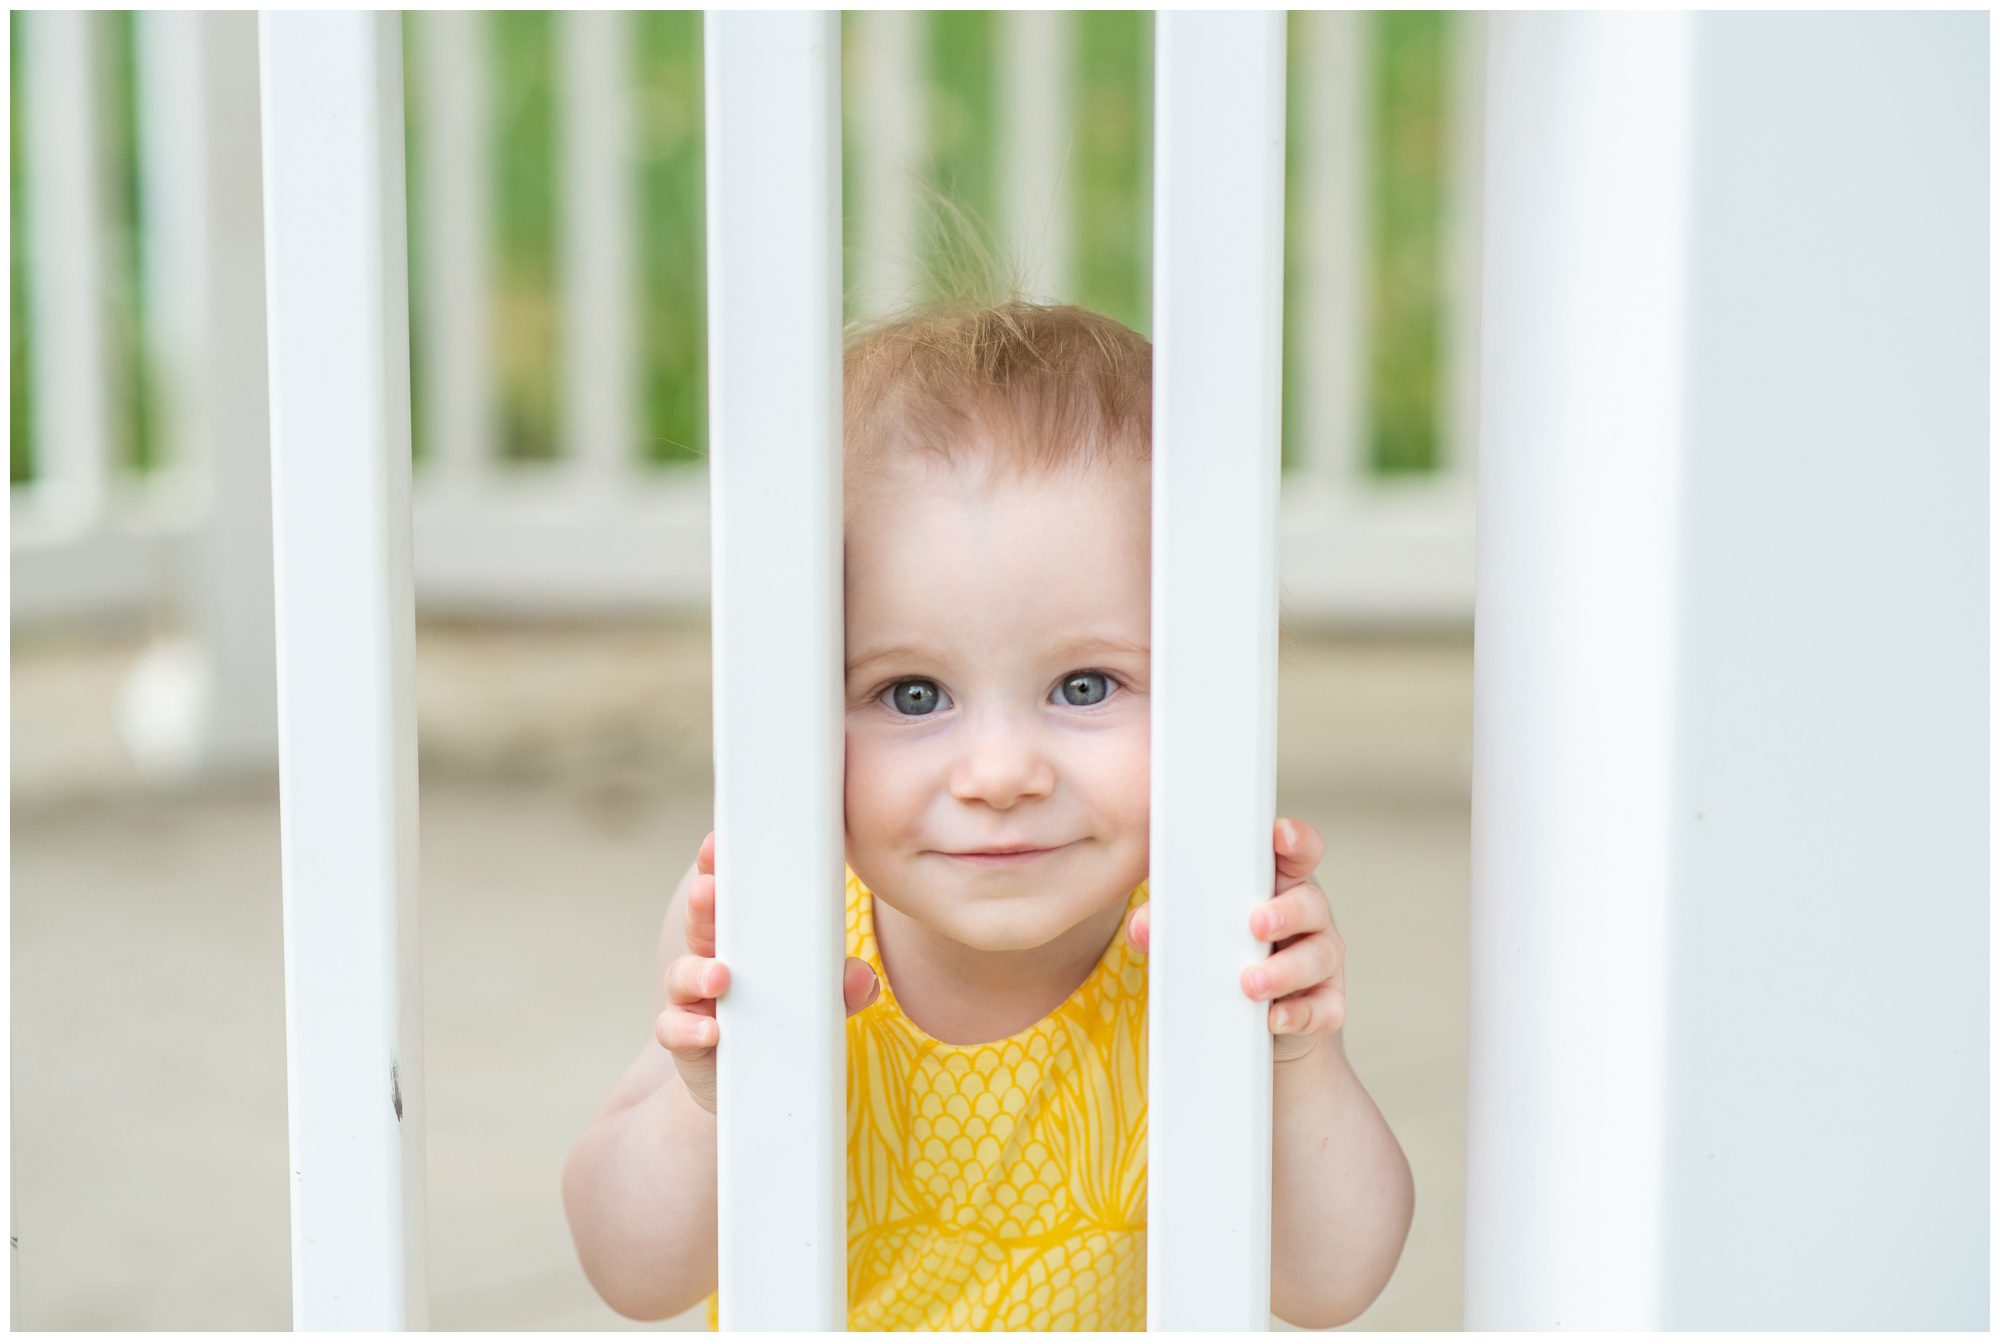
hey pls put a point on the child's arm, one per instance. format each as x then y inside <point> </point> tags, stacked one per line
<point>639,1185</point>
<point>1341,1193</point>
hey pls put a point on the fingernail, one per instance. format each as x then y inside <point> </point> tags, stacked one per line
<point>705,1032</point>
<point>1291,833</point>
<point>1283,1019</point>
<point>1259,982</point>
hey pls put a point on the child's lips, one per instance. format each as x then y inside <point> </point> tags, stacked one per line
<point>994,858</point>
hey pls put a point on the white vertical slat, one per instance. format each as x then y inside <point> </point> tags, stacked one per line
<point>1038,73</point>
<point>1332,360</point>
<point>461,409</point>
<point>1218,286</point>
<point>1588,125</point>
<point>340,431</point>
<point>1465,92</point>
<point>600,295</point>
<point>888,101</point>
<point>173,157</point>
<point>205,700</point>
<point>77,387</point>
<point>773,147</point>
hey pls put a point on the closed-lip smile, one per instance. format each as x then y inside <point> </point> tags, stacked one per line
<point>1011,852</point>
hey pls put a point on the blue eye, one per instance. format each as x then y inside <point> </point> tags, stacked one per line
<point>915,698</point>
<point>1085,688</point>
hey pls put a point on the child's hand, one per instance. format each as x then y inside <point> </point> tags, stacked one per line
<point>1306,973</point>
<point>687,1028</point>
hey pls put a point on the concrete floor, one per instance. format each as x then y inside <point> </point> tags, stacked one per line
<point>564,777</point>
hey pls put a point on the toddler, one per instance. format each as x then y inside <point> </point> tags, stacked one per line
<point>997,504</point>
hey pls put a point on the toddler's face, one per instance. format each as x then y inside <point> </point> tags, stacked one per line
<point>997,689</point>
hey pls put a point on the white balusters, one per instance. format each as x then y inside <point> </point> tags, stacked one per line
<point>78,390</point>
<point>1037,128</point>
<point>340,429</point>
<point>888,101</point>
<point>599,276</point>
<point>1584,421</point>
<point>1219,210</point>
<point>1332,246</point>
<point>204,699</point>
<point>773,151</point>
<point>461,402</point>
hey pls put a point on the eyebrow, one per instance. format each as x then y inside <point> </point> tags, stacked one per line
<point>911,652</point>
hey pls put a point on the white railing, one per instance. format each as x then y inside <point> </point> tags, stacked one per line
<point>594,531</point>
<point>341,504</point>
<point>1714,736</point>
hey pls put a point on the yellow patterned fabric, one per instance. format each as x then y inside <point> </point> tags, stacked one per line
<point>999,1185</point>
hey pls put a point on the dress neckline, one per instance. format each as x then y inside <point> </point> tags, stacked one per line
<point>1116,954</point>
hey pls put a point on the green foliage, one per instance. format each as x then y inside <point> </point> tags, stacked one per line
<point>673,344</point>
<point>136,417</point>
<point>1110,166</point>
<point>1109,169</point>
<point>962,147</point>
<point>134,379</point>
<point>526,177</point>
<point>1406,207</point>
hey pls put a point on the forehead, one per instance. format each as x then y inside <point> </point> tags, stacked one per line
<point>960,561</point>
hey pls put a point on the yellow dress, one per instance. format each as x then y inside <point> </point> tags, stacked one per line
<point>998,1185</point>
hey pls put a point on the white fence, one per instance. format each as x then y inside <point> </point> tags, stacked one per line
<point>333,119</point>
<point>1731,923</point>
<point>594,531</point>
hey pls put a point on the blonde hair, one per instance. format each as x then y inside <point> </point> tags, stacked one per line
<point>981,376</point>
<point>1015,387</point>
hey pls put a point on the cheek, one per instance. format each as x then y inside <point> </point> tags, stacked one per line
<point>1115,770</point>
<point>881,801</point>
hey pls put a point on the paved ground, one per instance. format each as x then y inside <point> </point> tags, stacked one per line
<point>564,776</point>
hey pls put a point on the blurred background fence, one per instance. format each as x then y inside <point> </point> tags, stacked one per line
<point>555,204</point>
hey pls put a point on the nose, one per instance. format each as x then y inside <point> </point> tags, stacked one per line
<point>1003,765</point>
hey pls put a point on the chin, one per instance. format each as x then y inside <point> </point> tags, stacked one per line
<point>1010,934</point>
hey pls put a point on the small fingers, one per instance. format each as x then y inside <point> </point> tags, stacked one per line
<point>1307,961</point>
<point>1301,910</point>
<point>1139,927</point>
<point>701,915</point>
<point>1298,848</point>
<point>1320,1010</point>
<point>858,985</point>
<point>685,1030</point>
<point>696,978</point>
